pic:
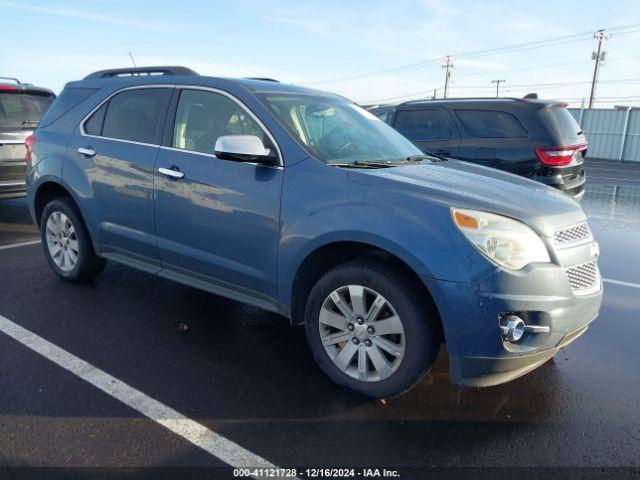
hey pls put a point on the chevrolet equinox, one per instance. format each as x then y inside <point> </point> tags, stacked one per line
<point>302,203</point>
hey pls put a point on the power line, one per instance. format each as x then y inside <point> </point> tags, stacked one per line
<point>553,41</point>
<point>509,89</point>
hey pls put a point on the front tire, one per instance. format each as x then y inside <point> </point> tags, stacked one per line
<point>371,329</point>
<point>67,245</point>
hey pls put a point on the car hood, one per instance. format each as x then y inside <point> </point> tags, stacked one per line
<point>465,185</point>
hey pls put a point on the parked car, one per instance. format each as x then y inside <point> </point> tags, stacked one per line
<point>537,139</point>
<point>302,203</point>
<point>21,106</point>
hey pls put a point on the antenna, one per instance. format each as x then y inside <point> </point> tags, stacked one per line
<point>132,60</point>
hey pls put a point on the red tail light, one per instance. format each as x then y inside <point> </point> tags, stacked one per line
<point>8,88</point>
<point>559,156</point>
<point>29,142</point>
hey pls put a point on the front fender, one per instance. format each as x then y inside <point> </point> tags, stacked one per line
<point>418,232</point>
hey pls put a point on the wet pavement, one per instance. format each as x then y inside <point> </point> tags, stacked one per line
<point>244,373</point>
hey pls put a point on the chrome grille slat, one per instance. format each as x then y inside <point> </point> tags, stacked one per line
<point>576,234</point>
<point>584,278</point>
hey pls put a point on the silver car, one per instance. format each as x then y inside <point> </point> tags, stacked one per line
<point>21,107</point>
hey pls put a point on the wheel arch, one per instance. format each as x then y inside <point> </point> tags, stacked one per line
<point>47,191</point>
<point>329,255</point>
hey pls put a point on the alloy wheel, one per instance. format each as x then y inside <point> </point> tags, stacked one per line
<point>62,241</point>
<point>362,333</point>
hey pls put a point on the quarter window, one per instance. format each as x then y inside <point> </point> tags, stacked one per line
<point>93,126</point>
<point>132,115</point>
<point>423,125</point>
<point>202,117</point>
<point>491,124</point>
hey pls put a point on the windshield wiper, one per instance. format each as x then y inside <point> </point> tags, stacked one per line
<point>352,165</point>
<point>435,157</point>
<point>373,163</point>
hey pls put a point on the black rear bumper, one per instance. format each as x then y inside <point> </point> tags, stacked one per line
<point>570,180</point>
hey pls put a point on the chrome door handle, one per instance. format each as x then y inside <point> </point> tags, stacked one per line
<point>171,173</point>
<point>87,152</point>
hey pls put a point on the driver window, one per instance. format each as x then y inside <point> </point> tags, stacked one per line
<point>202,117</point>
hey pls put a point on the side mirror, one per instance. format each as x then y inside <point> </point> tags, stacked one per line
<point>243,148</point>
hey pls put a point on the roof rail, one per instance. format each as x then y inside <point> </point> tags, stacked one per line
<point>140,71</point>
<point>458,99</point>
<point>12,79</point>
<point>264,79</point>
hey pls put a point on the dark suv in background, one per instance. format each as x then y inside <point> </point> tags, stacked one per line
<point>537,139</point>
<point>21,107</point>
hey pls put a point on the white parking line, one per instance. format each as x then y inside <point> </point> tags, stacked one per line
<point>620,282</point>
<point>21,244</point>
<point>217,445</point>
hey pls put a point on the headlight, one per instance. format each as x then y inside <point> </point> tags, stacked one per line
<point>505,241</point>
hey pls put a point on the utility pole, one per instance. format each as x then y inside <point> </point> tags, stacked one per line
<point>498,82</point>
<point>435,90</point>
<point>598,56</point>
<point>447,75</point>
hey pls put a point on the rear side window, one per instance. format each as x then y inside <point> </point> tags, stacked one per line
<point>69,98</point>
<point>132,115</point>
<point>22,111</point>
<point>561,121</point>
<point>491,124</point>
<point>423,125</point>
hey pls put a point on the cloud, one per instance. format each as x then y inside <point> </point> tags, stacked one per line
<point>76,13</point>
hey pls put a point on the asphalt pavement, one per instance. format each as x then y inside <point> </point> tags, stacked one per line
<point>247,381</point>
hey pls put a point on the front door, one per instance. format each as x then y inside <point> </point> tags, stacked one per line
<point>217,226</point>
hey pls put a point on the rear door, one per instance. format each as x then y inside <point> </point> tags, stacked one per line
<point>496,138</point>
<point>430,128</point>
<point>114,153</point>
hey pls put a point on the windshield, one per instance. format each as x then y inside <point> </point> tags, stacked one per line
<point>335,130</point>
<point>22,111</point>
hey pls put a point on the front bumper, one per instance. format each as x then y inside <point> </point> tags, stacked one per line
<point>471,315</point>
<point>486,371</point>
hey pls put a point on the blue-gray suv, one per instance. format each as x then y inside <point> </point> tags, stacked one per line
<point>302,203</point>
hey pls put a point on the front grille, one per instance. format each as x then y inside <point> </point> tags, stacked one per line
<point>575,234</point>
<point>584,278</point>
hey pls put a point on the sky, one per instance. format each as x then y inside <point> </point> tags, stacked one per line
<point>369,51</point>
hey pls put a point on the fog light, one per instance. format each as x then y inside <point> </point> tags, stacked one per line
<point>514,328</point>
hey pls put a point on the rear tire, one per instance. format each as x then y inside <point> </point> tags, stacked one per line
<point>383,337</point>
<point>67,245</point>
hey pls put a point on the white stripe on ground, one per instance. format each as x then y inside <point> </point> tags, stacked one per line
<point>217,445</point>
<point>620,282</point>
<point>21,244</point>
